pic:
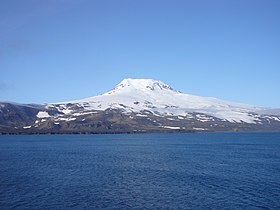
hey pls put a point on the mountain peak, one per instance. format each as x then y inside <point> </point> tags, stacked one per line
<point>141,84</point>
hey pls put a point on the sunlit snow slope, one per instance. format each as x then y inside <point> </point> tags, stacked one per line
<point>135,95</point>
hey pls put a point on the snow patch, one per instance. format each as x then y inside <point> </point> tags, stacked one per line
<point>66,111</point>
<point>199,129</point>
<point>273,118</point>
<point>141,115</point>
<point>84,113</point>
<point>43,114</point>
<point>67,119</point>
<point>170,127</point>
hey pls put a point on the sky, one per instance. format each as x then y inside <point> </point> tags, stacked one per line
<point>61,50</point>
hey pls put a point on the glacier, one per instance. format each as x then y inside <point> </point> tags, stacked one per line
<point>136,95</point>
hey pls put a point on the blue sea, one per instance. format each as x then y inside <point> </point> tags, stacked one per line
<point>140,171</point>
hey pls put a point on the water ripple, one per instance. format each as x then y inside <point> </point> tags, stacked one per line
<point>153,171</point>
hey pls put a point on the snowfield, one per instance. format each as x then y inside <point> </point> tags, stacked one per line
<point>136,95</point>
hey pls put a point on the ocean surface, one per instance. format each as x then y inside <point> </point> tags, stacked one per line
<point>140,171</point>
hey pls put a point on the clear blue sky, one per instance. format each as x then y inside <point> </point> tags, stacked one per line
<point>59,50</point>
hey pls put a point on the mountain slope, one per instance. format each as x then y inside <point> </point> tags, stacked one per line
<point>134,95</point>
<point>145,105</point>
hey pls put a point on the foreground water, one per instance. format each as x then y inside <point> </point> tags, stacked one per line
<point>145,171</point>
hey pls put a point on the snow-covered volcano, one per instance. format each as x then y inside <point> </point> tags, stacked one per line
<point>136,95</point>
<point>137,105</point>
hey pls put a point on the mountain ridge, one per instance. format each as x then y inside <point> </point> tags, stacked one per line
<point>157,96</point>
<point>138,105</point>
